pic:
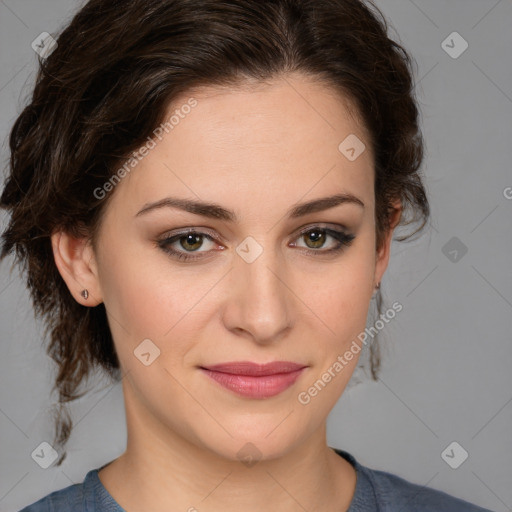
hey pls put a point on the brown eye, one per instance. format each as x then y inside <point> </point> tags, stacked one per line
<point>321,240</point>
<point>191,242</point>
<point>183,245</point>
<point>314,239</point>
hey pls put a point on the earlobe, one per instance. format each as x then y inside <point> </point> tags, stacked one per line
<point>75,261</point>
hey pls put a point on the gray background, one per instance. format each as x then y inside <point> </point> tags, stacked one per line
<point>447,356</point>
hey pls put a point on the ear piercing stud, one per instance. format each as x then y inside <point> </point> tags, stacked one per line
<point>84,294</point>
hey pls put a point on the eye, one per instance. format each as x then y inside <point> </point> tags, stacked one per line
<point>315,239</point>
<point>181,244</point>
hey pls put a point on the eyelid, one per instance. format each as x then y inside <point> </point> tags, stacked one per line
<point>323,225</point>
<point>207,232</point>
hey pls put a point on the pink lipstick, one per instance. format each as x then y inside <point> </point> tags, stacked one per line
<point>255,380</point>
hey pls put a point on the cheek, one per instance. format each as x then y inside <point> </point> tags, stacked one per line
<point>147,297</point>
<point>341,295</point>
<point>134,291</point>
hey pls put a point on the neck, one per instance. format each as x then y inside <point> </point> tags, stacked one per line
<point>162,468</point>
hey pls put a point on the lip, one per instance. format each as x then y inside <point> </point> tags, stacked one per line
<point>254,380</point>
<point>255,369</point>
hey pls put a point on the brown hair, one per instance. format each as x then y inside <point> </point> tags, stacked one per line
<point>106,87</point>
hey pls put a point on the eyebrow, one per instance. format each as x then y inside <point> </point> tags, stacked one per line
<point>215,211</point>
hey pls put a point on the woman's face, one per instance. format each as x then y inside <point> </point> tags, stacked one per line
<point>263,278</point>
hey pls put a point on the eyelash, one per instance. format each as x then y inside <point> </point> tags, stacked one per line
<point>344,240</point>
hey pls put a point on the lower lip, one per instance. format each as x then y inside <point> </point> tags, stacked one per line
<point>255,387</point>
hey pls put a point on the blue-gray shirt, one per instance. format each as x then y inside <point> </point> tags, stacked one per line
<point>376,491</point>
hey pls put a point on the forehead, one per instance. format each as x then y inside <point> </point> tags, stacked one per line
<point>293,104</point>
<point>257,140</point>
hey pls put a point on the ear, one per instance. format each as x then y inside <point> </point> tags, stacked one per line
<point>383,253</point>
<point>76,263</point>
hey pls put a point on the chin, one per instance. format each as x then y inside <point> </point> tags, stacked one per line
<point>252,442</point>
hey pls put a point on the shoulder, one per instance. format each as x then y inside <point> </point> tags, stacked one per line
<point>386,492</point>
<point>396,493</point>
<point>82,497</point>
<point>70,498</point>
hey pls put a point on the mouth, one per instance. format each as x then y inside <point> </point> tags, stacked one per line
<point>254,380</point>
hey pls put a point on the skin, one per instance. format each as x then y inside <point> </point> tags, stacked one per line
<point>257,151</point>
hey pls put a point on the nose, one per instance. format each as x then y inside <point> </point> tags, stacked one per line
<point>258,303</point>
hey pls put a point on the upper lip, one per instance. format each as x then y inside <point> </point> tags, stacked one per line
<point>255,369</point>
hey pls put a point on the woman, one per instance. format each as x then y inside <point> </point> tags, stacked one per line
<point>204,195</point>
